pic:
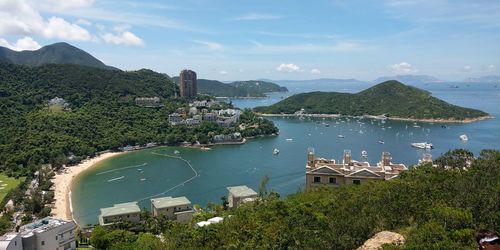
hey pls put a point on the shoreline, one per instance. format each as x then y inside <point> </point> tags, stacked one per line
<point>388,118</point>
<point>63,183</point>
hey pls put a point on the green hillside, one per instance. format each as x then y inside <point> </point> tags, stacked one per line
<point>391,98</point>
<point>236,89</point>
<point>57,53</point>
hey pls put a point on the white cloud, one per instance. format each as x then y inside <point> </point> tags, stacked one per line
<point>223,72</point>
<point>122,38</point>
<point>257,17</point>
<point>491,67</point>
<point>210,45</point>
<point>289,67</point>
<point>84,22</point>
<point>402,68</point>
<point>25,43</point>
<point>63,4</point>
<point>19,17</point>
<point>315,71</point>
<point>467,68</point>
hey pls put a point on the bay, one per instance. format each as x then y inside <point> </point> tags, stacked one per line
<point>137,176</point>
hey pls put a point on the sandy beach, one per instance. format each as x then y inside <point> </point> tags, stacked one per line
<point>63,182</point>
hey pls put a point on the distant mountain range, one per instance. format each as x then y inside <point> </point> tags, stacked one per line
<point>57,53</point>
<point>484,79</point>
<point>409,79</point>
<point>317,81</point>
<point>252,88</point>
<point>391,98</point>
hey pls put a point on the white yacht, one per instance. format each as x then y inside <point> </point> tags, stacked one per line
<point>276,151</point>
<point>422,145</point>
<point>340,136</point>
<point>464,137</point>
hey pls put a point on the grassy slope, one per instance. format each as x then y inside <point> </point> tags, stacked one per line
<point>7,184</point>
<point>391,98</point>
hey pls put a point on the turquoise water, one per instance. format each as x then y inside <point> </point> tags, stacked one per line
<point>137,176</point>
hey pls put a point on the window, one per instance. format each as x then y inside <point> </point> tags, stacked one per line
<point>332,180</point>
<point>356,182</point>
<point>43,243</point>
<point>317,179</point>
<point>56,237</point>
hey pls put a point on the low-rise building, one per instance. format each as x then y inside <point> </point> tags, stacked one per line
<point>240,194</point>
<point>148,102</point>
<point>174,208</point>
<point>129,211</point>
<point>234,137</point>
<point>193,111</point>
<point>210,117</point>
<point>328,172</point>
<point>175,119</point>
<point>44,234</point>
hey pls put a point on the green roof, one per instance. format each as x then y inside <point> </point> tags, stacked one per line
<point>120,209</point>
<point>164,202</point>
<point>241,191</point>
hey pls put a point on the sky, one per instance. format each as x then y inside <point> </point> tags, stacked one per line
<point>272,39</point>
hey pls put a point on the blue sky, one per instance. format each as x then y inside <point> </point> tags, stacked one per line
<point>275,39</point>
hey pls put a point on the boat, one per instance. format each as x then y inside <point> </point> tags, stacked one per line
<point>276,151</point>
<point>422,145</point>
<point>464,137</point>
<point>289,139</point>
<point>340,136</point>
<point>177,152</point>
<point>381,141</point>
<point>327,125</point>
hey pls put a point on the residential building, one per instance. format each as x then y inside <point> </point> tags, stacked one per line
<point>129,211</point>
<point>193,111</point>
<point>188,84</point>
<point>148,102</point>
<point>234,137</point>
<point>178,209</point>
<point>328,172</point>
<point>240,194</point>
<point>44,234</point>
<point>175,119</point>
<point>210,117</point>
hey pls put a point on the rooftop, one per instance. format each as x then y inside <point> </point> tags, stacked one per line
<point>241,191</point>
<point>120,209</point>
<point>164,202</point>
<point>43,225</point>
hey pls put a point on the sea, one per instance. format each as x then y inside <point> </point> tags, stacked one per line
<point>203,176</point>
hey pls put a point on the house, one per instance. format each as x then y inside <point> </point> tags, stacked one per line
<point>240,194</point>
<point>44,234</point>
<point>175,119</point>
<point>193,111</point>
<point>328,172</point>
<point>210,117</point>
<point>178,209</point>
<point>120,212</point>
<point>234,137</point>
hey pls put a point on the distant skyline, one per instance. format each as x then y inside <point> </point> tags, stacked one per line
<point>272,39</point>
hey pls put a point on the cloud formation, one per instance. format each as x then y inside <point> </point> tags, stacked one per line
<point>122,38</point>
<point>210,45</point>
<point>19,18</point>
<point>257,17</point>
<point>402,68</point>
<point>289,67</point>
<point>223,72</point>
<point>25,43</point>
<point>315,71</point>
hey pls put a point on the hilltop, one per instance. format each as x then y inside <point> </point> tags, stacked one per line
<point>410,79</point>
<point>57,53</point>
<point>252,88</point>
<point>392,98</point>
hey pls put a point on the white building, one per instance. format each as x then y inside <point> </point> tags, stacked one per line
<point>44,234</point>
<point>240,194</point>
<point>174,208</point>
<point>129,211</point>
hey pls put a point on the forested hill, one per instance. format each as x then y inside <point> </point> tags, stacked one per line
<point>391,98</point>
<point>103,113</point>
<point>236,89</point>
<point>57,53</point>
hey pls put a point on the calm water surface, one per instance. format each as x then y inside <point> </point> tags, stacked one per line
<point>137,176</point>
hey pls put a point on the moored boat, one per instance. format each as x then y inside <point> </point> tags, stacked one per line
<point>422,145</point>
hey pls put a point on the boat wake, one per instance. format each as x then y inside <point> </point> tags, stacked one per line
<point>115,179</point>
<point>118,169</point>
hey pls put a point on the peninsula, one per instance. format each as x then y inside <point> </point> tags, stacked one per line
<point>390,99</point>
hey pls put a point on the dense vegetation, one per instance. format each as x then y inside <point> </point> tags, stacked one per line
<point>237,89</point>
<point>103,114</point>
<point>391,98</point>
<point>433,207</point>
<point>57,53</point>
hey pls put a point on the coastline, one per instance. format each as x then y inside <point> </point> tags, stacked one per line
<point>63,182</point>
<point>388,118</point>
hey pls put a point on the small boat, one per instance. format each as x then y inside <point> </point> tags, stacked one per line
<point>422,145</point>
<point>381,141</point>
<point>177,152</point>
<point>340,136</point>
<point>289,139</point>
<point>327,125</point>
<point>464,137</point>
<point>276,151</point>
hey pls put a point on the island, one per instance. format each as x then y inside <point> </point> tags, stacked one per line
<point>390,99</point>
